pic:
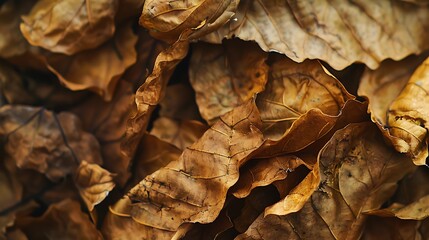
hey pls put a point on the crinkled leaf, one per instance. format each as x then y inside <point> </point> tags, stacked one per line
<point>262,172</point>
<point>377,228</point>
<point>193,188</point>
<point>358,173</point>
<point>63,220</point>
<point>167,20</point>
<point>11,190</point>
<point>93,182</point>
<point>96,69</point>
<point>69,26</point>
<point>300,104</point>
<point>179,103</point>
<point>49,143</point>
<point>408,114</point>
<point>225,76</point>
<point>338,32</point>
<point>181,134</point>
<point>383,85</point>
<point>151,92</point>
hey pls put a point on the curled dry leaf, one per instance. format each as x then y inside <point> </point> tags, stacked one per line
<point>358,173</point>
<point>410,200</point>
<point>338,32</point>
<point>262,172</point>
<point>93,182</point>
<point>300,99</point>
<point>383,85</point>
<point>11,190</point>
<point>167,20</point>
<point>408,116</point>
<point>63,220</point>
<point>194,187</point>
<point>52,144</point>
<point>12,42</point>
<point>69,26</point>
<point>225,76</point>
<point>96,69</point>
<point>151,92</point>
<point>180,133</point>
<point>107,122</point>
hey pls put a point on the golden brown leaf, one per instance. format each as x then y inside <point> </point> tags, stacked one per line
<point>358,173</point>
<point>107,122</point>
<point>69,26</point>
<point>49,143</point>
<point>193,188</point>
<point>12,42</point>
<point>93,182</point>
<point>167,20</point>
<point>383,85</point>
<point>300,99</point>
<point>262,172</point>
<point>408,114</point>
<point>96,69</point>
<point>225,76</point>
<point>181,134</point>
<point>151,92</point>
<point>338,32</point>
<point>63,220</point>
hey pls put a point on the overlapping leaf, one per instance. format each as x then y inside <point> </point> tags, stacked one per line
<point>69,26</point>
<point>337,32</point>
<point>358,173</point>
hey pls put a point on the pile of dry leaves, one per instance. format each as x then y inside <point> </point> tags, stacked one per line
<point>213,119</point>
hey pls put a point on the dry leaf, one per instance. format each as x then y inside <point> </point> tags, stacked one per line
<point>152,154</point>
<point>52,144</point>
<point>96,69</point>
<point>262,172</point>
<point>107,122</point>
<point>63,220</point>
<point>225,76</point>
<point>93,182</point>
<point>167,20</point>
<point>202,175</point>
<point>181,134</point>
<point>12,43</point>
<point>408,114</point>
<point>11,191</point>
<point>358,173</point>
<point>337,32</point>
<point>383,85</point>
<point>69,26</point>
<point>300,99</point>
<point>151,92</point>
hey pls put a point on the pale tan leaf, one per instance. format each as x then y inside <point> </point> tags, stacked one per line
<point>69,26</point>
<point>338,32</point>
